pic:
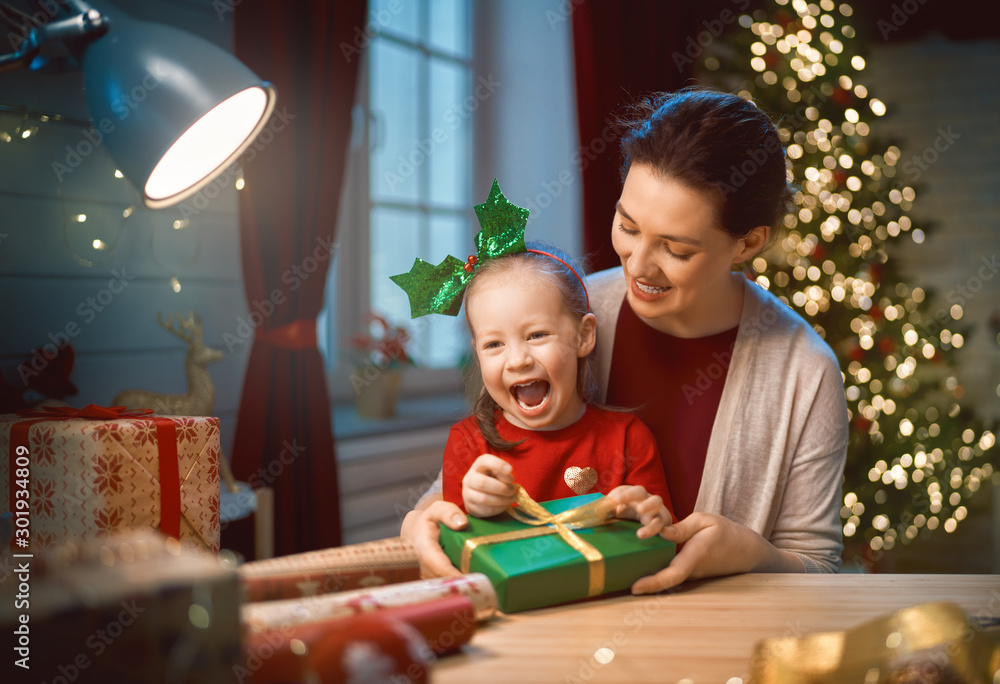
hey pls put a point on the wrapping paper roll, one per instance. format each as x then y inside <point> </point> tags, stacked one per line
<point>258,617</point>
<point>357,566</point>
<point>362,648</point>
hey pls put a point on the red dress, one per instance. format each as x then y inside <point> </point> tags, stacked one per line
<point>597,453</point>
<point>675,384</point>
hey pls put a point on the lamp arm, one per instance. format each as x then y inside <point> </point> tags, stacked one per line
<point>86,22</point>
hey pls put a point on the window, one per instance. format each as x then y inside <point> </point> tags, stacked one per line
<point>408,191</point>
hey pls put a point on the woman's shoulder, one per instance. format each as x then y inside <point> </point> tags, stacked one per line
<point>606,291</point>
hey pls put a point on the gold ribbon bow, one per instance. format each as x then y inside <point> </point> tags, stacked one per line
<point>530,512</point>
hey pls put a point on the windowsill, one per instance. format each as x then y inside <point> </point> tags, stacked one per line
<point>411,414</point>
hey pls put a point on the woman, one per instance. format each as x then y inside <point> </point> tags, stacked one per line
<point>745,400</point>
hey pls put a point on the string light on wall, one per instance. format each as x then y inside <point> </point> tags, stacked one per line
<point>91,238</point>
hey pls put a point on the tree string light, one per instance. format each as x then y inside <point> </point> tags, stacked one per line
<point>915,457</point>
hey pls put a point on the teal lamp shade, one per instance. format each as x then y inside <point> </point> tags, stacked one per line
<point>174,109</point>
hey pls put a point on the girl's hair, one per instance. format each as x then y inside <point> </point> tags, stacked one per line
<point>574,298</point>
<point>717,143</point>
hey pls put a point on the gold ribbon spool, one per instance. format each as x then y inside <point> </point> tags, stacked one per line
<point>530,512</point>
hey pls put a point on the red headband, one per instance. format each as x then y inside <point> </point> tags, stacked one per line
<point>571,270</point>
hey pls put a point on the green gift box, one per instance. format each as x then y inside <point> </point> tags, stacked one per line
<point>544,570</point>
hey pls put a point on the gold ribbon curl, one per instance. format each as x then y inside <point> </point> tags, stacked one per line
<point>530,512</point>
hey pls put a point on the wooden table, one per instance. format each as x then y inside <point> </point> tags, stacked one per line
<point>702,633</point>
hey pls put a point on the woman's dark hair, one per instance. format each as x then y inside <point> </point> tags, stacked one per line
<point>713,142</point>
<point>574,297</point>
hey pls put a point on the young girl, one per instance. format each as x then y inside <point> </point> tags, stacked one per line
<point>534,422</point>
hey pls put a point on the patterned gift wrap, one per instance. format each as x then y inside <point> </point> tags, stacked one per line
<point>394,644</point>
<point>271,614</point>
<point>96,477</point>
<point>133,607</point>
<point>364,648</point>
<point>358,566</point>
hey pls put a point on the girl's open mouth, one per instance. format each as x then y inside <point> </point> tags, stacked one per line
<point>531,396</point>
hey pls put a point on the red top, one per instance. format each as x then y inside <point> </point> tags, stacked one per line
<point>597,453</point>
<point>676,384</point>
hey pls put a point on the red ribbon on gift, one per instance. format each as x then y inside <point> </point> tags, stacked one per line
<point>166,440</point>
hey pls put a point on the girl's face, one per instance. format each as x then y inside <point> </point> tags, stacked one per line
<point>528,345</point>
<point>677,263</point>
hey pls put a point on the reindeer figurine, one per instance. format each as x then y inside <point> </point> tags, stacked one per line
<point>200,397</point>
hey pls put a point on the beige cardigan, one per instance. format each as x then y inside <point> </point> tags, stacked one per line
<point>775,459</point>
<point>776,455</point>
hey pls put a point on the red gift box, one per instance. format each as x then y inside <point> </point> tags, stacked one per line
<point>79,473</point>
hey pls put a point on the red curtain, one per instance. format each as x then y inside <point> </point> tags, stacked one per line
<point>288,213</point>
<point>623,50</point>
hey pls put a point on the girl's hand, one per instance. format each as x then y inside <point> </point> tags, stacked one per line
<point>713,546</point>
<point>488,487</point>
<point>421,529</point>
<point>636,503</point>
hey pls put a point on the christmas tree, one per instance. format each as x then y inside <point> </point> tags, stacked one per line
<point>915,455</point>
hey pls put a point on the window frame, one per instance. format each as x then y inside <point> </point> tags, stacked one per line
<point>348,290</point>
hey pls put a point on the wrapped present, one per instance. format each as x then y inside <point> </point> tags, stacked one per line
<point>79,473</point>
<point>357,566</point>
<point>544,554</point>
<point>134,608</point>
<point>270,614</point>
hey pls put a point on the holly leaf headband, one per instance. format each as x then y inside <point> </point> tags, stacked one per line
<point>439,289</point>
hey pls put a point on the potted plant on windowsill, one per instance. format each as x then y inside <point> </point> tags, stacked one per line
<point>379,358</point>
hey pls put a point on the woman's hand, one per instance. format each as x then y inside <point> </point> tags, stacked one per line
<point>636,503</point>
<point>488,487</point>
<point>713,546</point>
<point>421,528</point>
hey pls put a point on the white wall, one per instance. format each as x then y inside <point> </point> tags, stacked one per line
<point>527,129</point>
<point>45,288</point>
<point>946,119</point>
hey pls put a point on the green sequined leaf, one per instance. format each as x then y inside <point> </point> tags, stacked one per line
<point>502,226</point>
<point>434,289</point>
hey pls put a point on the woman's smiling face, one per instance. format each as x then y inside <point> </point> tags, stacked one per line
<point>677,262</point>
